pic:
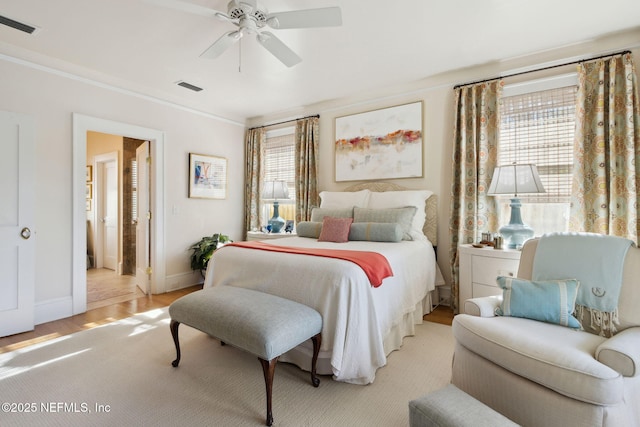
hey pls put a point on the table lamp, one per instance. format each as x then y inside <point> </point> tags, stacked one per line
<point>274,190</point>
<point>515,179</point>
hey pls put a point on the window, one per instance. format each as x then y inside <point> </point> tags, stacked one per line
<point>279,164</point>
<point>537,126</point>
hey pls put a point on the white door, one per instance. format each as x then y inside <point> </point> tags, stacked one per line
<point>143,218</point>
<point>110,215</point>
<point>17,239</point>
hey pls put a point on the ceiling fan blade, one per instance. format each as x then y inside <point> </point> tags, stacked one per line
<point>188,7</point>
<point>323,17</point>
<point>278,49</point>
<point>222,44</point>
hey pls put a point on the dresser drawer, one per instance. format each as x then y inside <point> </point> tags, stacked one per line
<point>480,290</point>
<point>485,269</point>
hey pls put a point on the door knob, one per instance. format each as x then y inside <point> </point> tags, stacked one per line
<point>25,233</point>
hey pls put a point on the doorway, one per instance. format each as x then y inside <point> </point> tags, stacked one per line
<point>81,126</point>
<point>113,196</point>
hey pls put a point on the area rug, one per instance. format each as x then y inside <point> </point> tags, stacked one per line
<point>121,374</point>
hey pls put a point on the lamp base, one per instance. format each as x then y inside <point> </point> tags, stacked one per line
<point>516,232</point>
<point>276,224</point>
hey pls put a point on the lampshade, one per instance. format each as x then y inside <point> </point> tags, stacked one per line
<point>274,190</point>
<point>515,179</point>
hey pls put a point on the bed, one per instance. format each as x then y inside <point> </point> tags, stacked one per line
<point>362,323</point>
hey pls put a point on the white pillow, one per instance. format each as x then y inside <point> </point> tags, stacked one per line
<point>344,199</point>
<point>400,199</point>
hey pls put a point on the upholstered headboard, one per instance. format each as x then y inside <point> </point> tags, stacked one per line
<point>430,228</point>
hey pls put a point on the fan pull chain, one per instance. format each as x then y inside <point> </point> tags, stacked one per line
<point>240,55</point>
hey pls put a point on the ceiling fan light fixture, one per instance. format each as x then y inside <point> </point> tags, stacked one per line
<point>273,22</point>
<point>251,17</point>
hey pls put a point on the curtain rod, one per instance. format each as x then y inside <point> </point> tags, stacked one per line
<point>286,121</point>
<point>543,69</point>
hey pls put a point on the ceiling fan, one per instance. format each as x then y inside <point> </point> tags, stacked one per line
<point>251,17</point>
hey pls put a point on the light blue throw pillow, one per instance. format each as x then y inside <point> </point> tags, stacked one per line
<point>403,216</point>
<point>551,301</point>
<point>376,231</point>
<point>318,214</point>
<point>309,229</point>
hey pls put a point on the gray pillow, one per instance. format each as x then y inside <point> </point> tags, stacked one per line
<point>403,216</point>
<point>376,231</point>
<point>317,214</point>
<point>309,229</point>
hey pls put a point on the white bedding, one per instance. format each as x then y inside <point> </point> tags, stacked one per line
<point>361,324</point>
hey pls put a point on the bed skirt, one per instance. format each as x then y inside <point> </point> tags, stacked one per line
<point>301,355</point>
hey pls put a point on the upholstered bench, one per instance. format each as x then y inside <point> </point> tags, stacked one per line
<point>452,407</point>
<point>259,323</point>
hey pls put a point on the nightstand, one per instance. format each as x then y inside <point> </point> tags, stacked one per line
<point>259,235</point>
<point>479,268</point>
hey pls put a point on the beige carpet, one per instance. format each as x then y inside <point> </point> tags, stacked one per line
<point>121,374</point>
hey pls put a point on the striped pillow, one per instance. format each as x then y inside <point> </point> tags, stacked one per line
<point>551,301</point>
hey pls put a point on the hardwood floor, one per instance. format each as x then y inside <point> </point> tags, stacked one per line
<point>116,308</point>
<point>97,316</point>
<point>441,314</point>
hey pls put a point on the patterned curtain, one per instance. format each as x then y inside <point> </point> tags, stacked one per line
<point>607,145</point>
<point>307,141</point>
<point>254,141</point>
<point>474,158</point>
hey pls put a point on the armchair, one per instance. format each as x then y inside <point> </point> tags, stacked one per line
<point>543,374</point>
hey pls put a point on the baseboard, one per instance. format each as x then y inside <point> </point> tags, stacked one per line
<point>182,280</point>
<point>53,309</point>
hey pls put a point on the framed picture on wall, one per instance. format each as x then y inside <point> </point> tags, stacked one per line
<point>89,191</point>
<point>379,144</point>
<point>207,176</point>
<point>89,173</point>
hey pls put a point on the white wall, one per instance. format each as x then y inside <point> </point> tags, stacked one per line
<point>51,100</point>
<point>438,96</point>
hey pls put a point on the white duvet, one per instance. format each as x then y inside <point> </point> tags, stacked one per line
<point>361,324</point>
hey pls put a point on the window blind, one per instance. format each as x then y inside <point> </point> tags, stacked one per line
<point>279,161</point>
<point>538,128</point>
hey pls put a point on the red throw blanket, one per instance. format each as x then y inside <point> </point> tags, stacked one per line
<point>374,265</point>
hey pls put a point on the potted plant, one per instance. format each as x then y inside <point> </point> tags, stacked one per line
<point>203,250</point>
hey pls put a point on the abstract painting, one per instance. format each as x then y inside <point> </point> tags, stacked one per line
<point>379,144</point>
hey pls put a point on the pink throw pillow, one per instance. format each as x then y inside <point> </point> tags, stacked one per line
<point>335,229</point>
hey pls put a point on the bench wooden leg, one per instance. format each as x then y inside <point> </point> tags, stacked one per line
<point>174,333</point>
<point>317,340</point>
<point>268,369</point>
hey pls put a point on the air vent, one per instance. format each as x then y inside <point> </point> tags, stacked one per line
<point>17,25</point>
<point>189,86</point>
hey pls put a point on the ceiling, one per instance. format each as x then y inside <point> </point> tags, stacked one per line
<point>146,48</point>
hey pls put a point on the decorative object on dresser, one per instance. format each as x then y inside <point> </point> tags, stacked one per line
<point>515,179</point>
<point>274,190</point>
<point>379,144</point>
<point>479,268</point>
